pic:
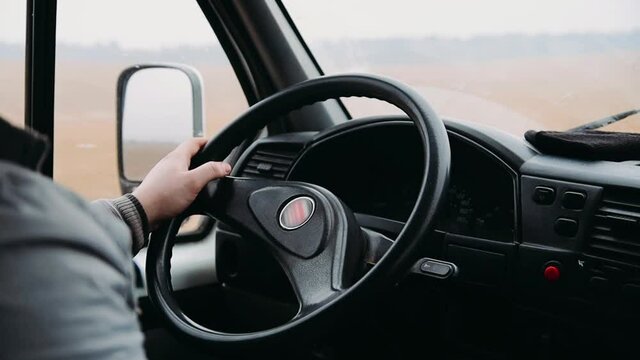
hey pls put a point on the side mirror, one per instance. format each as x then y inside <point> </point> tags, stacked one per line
<point>158,106</point>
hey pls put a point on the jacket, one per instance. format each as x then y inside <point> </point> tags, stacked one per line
<point>66,274</point>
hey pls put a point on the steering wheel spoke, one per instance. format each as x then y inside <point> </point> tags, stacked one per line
<point>313,281</point>
<point>226,199</point>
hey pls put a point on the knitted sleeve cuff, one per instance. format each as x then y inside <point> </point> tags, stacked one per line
<point>135,217</point>
<point>141,212</point>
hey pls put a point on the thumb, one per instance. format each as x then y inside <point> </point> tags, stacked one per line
<point>209,171</point>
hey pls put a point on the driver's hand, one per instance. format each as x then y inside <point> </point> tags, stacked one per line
<point>170,187</point>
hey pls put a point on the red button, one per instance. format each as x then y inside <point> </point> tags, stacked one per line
<point>552,273</point>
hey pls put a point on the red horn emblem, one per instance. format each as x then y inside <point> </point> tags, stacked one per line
<point>297,212</point>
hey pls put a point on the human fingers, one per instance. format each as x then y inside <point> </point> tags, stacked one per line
<point>190,147</point>
<point>208,171</point>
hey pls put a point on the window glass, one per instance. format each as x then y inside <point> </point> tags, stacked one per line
<point>96,41</point>
<point>515,65</point>
<point>12,45</point>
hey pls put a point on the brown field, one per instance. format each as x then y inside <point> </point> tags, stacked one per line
<point>514,95</point>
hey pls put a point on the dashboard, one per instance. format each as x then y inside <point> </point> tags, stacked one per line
<point>377,170</point>
<point>532,236</point>
<point>500,225</point>
<point>512,215</point>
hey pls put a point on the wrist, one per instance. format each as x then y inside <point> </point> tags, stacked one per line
<point>146,208</point>
<point>127,209</point>
<point>141,211</point>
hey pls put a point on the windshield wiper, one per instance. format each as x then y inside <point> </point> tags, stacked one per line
<point>604,121</point>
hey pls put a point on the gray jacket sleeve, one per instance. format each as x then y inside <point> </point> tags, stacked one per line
<point>123,209</point>
<point>66,275</point>
<point>62,303</point>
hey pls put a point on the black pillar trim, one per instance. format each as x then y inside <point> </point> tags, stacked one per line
<point>40,62</point>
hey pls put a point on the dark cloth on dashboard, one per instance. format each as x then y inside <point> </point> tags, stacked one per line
<point>588,145</point>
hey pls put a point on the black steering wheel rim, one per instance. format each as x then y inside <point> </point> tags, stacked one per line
<point>394,263</point>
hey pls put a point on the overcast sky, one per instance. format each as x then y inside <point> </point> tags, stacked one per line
<point>179,22</point>
<point>460,18</point>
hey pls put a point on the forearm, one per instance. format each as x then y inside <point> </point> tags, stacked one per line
<point>128,210</point>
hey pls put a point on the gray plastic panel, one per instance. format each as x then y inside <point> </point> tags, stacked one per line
<point>538,220</point>
<point>607,173</point>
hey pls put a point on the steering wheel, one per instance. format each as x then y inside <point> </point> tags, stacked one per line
<point>312,234</point>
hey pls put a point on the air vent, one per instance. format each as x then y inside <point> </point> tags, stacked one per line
<point>269,162</point>
<point>616,230</point>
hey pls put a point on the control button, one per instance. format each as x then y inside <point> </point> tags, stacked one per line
<point>566,227</point>
<point>544,195</point>
<point>574,200</point>
<point>552,273</point>
<point>436,268</point>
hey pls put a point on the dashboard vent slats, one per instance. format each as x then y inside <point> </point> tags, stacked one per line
<point>269,163</point>
<point>615,233</point>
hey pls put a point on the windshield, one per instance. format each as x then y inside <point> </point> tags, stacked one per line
<point>515,65</point>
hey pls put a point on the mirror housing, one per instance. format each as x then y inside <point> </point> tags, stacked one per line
<point>158,107</point>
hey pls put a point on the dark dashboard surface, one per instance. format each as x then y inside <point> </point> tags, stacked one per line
<point>496,227</point>
<point>376,170</point>
<point>512,217</point>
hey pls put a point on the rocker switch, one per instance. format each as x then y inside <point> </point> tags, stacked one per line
<point>435,268</point>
